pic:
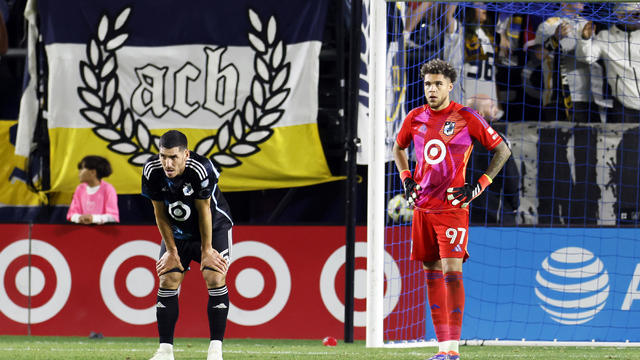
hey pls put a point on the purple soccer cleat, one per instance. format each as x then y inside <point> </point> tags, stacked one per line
<point>440,356</point>
<point>453,355</point>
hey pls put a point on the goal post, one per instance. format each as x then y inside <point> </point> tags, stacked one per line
<point>376,175</point>
<point>555,256</point>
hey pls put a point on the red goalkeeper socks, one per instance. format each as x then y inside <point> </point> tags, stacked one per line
<point>455,302</point>
<point>436,294</point>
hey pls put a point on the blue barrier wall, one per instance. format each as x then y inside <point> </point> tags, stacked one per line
<point>552,283</point>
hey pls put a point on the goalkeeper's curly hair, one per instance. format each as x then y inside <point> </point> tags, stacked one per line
<point>437,66</point>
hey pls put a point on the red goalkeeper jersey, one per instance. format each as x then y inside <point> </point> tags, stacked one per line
<point>443,141</point>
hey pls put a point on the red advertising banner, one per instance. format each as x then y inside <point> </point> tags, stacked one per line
<point>284,282</point>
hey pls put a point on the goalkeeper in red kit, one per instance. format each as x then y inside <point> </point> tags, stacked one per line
<point>443,133</point>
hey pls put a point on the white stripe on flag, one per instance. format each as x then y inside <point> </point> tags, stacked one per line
<point>64,70</point>
<point>28,115</point>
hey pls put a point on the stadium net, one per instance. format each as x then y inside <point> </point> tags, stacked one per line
<point>554,241</point>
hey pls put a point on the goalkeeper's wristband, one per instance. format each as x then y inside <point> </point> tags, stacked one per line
<point>485,181</point>
<point>405,174</point>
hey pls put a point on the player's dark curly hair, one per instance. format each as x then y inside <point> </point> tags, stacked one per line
<point>173,138</point>
<point>437,66</point>
<point>97,163</point>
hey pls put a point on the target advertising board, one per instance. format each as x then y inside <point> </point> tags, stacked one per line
<point>284,282</point>
<point>288,282</point>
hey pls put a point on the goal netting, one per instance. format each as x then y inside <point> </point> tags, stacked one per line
<point>554,241</point>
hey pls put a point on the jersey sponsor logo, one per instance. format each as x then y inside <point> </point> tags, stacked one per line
<point>434,151</point>
<point>449,127</point>
<point>179,211</point>
<point>187,189</point>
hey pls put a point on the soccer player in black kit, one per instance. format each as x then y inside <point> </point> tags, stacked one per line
<point>195,223</point>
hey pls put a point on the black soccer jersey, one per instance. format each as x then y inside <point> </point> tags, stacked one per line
<point>198,181</point>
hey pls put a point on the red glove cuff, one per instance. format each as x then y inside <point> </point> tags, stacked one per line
<point>405,174</point>
<point>484,181</point>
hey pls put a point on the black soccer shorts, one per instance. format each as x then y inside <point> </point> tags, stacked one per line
<point>189,250</point>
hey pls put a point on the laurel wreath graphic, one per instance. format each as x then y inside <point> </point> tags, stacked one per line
<point>238,137</point>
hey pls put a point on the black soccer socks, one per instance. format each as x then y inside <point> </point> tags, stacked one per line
<point>167,314</point>
<point>217,310</point>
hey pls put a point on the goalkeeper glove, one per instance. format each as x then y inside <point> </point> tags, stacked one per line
<point>411,188</point>
<point>468,192</point>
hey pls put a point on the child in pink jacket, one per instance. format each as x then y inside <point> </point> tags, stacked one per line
<point>95,201</point>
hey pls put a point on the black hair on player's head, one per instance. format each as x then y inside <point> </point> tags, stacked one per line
<point>437,66</point>
<point>173,138</point>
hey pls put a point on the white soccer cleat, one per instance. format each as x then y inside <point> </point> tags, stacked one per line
<point>164,352</point>
<point>215,350</point>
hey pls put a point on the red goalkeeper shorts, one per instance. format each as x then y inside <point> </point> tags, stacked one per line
<point>439,235</point>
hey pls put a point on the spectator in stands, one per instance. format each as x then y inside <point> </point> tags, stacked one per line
<point>566,93</point>
<point>617,46</point>
<point>499,204</point>
<point>424,40</point>
<point>514,31</point>
<point>4,17</point>
<point>95,201</point>
<point>509,30</point>
<point>469,47</point>
<point>509,27</point>
<point>422,25</point>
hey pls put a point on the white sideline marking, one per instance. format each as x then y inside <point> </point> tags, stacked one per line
<point>390,355</point>
<point>271,352</point>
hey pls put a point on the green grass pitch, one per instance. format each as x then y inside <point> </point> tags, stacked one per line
<point>77,348</point>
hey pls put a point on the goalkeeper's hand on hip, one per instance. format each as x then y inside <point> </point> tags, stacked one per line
<point>411,188</point>
<point>464,194</point>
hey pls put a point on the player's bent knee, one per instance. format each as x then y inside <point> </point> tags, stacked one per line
<point>432,265</point>
<point>171,280</point>
<point>213,278</point>
<point>451,264</point>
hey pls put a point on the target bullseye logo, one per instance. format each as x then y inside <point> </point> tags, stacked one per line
<point>124,291</point>
<point>179,211</point>
<point>49,271</point>
<point>434,151</point>
<point>263,283</point>
<point>328,284</point>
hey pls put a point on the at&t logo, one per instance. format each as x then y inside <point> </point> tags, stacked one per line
<point>572,285</point>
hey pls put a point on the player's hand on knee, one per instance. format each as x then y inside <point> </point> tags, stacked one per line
<point>213,260</point>
<point>464,194</point>
<point>168,262</point>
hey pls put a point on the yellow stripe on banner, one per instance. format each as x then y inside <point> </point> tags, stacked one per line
<point>291,157</point>
<point>15,191</point>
